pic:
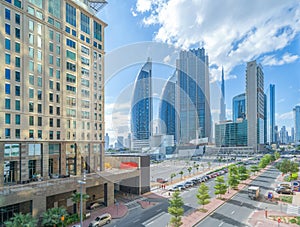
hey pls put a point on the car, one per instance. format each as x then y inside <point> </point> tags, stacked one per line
<point>283,190</point>
<point>188,184</point>
<point>177,188</point>
<point>101,220</point>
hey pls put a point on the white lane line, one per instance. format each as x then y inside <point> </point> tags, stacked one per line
<point>221,224</point>
<point>159,210</point>
<point>233,212</point>
<point>136,220</point>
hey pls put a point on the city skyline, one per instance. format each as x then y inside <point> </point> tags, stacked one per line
<point>279,58</point>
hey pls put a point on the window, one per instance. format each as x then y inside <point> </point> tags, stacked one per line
<point>51,59</point>
<point>39,95</point>
<point>71,78</point>
<point>7,103</point>
<point>50,20</point>
<point>7,88</point>
<point>31,106</point>
<point>40,134</point>
<point>39,55</point>
<point>71,55</point>
<point>57,86</point>
<point>17,33</point>
<point>51,122</point>
<point>57,98</point>
<point>51,47</point>
<point>18,3</point>
<point>50,84</point>
<point>51,135</point>
<point>57,74</point>
<point>7,58</point>
<point>7,133</point>
<point>51,34</point>
<point>54,8</point>
<point>31,79</point>
<point>18,119</point>
<point>82,37</point>
<point>39,15</point>
<point>39,108</point>
<point>7,44</point>
<point>31,120</point>
<point>58,135</point>
<point>31,93</point>
<point>7,118</point>
<point>97,31</point>
<point>71,88</point>
<point>51,97</point>
<point>58,111</point>
<point>31,52</point>
<point>71,43</point>
<point>40,81</point>
<point>51,72</point>
<point>74,33</point>
<point>7,74</point>
<point>50,109</point>
<point>85,23</point>
<point>87,40</point>
<point>85,50</point>
<point>17,62</point>
<point>17,76</point>
<point>17,90</point>
<point>30,10</point>
<point>39,29</point>
<point>71,67</point>
<point>39,42</point>
<point>7,29</point>
<point>31,66</point>
<point>31,38</point>
<point>40,121</point>
<point>58,62</point>
<point>17,19</point>
<point>7,14</point>
<point>58,50</point>
<point>18,105</point>
<point>31,134</point>
<point>58,123</point>
<point>85,82</point>
<point>70,14</point>
<point>85,61</point>
<point>17,47</point>
<point>68,30</point>
<point>18,133</point>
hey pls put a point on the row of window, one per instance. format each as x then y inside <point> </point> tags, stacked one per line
<point>31,134</point>
<point>7,88</point>
<point>8,31</point>
<point>8,16</point>
<point>7,73</point>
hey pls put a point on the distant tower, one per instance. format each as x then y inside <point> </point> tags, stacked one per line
<point>106,139</point>
<point>239,107</point>
<point>272,114</point>
<point>296,111</point>
<point>222,116</point>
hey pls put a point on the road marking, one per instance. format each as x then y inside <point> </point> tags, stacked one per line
<point>159,210</point>
<point>241,203</point>
<point>153,218</point>
<point>233,212</point>
<point>221,224</point>
<point>136,220</point>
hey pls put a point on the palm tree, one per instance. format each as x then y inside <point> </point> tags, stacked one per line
<point>76,199</point>
<point>52,217</point>
<point>172,176</point>
<point>181,173</point>
<point>20,219</point>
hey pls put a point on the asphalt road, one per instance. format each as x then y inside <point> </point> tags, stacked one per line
<point>236,211</point>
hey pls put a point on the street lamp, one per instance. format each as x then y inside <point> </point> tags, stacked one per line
<point>81,182</point>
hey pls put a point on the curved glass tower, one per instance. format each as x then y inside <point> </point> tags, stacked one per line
<point>239,107</point>
<point>167,112</point>
<point>141,106</point>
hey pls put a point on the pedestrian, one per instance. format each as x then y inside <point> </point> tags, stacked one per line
<point>266,212</point>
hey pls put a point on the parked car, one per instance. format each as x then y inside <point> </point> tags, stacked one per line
<point>283,190</point>
<point>101,220</point>
<point>178,187</point>
<point>188,184</point>
<point>161,180</point>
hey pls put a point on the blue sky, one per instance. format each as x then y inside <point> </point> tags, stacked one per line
<point>232,32</point>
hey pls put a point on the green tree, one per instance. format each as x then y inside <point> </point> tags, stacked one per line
<point>209,165</point>
<point>175,209</point>
<point>181,173</point>
<point>277,155</point>
<point>288,166</point>
<point>19,219</point>
<point>254,169</point>
<point>75,197</point>
<point>52,217</point>
<point>243,172</point>
<point>220,187</point>
<point>190,169</point>
<point>172,176</point>
<point>233,178</point>
<point>202,195</point>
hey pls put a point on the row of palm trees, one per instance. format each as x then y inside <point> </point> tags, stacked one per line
<point>54,217</point>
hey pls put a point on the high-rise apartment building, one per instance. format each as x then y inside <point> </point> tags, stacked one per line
<point>106,140</point>
<point>284,135</point>
<point>141,108</point>
<point>272,114</point>
<point>255,111</point>
<point>52,105</point>
<point>296,111</point>
<point>239,107</point>
<point>167,111</point>
<point>193,102</point>
<point>222,116</point>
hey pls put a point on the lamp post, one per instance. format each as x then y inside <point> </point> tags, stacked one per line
<point>81,182</point>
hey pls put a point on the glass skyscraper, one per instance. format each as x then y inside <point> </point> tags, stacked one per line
<point>272,114</point>
<point>141,106</point>
<point>296,111</point>
<point>222,116</point>
<point>239,107</point>
<point>167,109</point>
<point>193,95</point>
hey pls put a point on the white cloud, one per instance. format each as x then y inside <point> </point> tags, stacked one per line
<point>281,100</point>
<point>232,32</point>
<point>285,116</point>
<point>285,59</point>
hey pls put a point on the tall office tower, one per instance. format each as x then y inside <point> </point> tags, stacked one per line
<point>296,111</point>
<point>52,99</point>
<point>120,142</point>
<point>106,140</point>
<point>167,111</point>
<point>272,114</point>
<point>283,135</point>
<point>276,134</point>
<point>239,107</point>
<point>255,104</point>
<point>265,119</point>
<point>193,95</point>
<point>292,135</point>
<point>222,116</point>
<point>141,108</point>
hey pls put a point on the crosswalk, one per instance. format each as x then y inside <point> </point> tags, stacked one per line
<point>293,210</point>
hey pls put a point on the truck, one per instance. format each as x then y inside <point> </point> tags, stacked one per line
<point>253,192</point>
